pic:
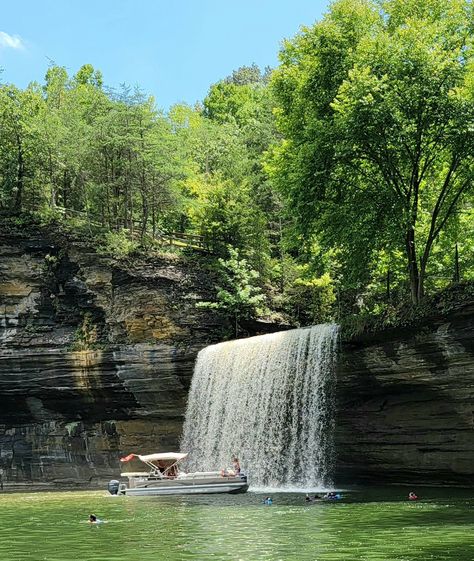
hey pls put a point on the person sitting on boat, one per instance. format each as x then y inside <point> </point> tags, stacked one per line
<point>412,496</point>
<point>236,465</point>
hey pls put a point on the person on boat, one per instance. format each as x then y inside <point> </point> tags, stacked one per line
<point>172,471</point>
<point>412,496</point>
<point>236,465</point>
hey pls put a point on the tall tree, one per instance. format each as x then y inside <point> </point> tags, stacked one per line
<point>376,107</point>
<point>18,110</point>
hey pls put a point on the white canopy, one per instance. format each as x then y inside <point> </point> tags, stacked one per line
<point>165,456</point>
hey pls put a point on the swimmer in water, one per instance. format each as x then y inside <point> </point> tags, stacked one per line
<point>268,501</point>
<point>332,496</point>
<point>412,496</point>
<point>94,520</point>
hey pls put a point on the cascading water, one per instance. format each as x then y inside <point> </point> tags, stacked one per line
<point>270,401</point>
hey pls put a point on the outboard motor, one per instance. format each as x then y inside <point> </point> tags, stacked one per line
<point>113,487</point>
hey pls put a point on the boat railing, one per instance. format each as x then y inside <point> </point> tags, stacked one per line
<point>204,475</point>
<point>135,474</point>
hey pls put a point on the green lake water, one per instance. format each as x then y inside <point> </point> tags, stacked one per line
<point>367,525</point>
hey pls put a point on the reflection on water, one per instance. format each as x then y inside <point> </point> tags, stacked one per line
<point>375,525</point>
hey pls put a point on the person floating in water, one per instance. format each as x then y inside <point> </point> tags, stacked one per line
<point>268,501</point>
<point>332,496</point>
<point>412,496</point>
<point>94,520</point>
<point>310,499</point>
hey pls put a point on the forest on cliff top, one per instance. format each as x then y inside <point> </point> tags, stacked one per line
<point>339,184</point>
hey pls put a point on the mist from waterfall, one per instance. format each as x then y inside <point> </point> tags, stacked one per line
<point>270,401</point>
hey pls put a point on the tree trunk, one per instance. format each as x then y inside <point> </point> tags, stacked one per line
<point>51,180</point>
<point>423,265</point>
<point>412,265</point>
<point>153,219</point>
<point>421,281</point>
<point>144,218</point>
<point>457,275</point>
<point>66,184</point>
<point>20,178</point>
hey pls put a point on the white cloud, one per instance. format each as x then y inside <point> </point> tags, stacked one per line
<point>11,41</point>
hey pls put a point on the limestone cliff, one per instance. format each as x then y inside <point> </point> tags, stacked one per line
<point>96,356</point>
<point>406,403</point>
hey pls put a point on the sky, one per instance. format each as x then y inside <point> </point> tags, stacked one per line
<point>173,50</point>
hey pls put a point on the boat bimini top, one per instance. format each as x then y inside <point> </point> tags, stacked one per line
<point>163,464</point>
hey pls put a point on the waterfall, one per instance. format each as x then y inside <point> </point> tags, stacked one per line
<point>270,401</point>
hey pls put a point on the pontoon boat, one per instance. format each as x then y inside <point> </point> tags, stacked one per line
<point>165,478</point>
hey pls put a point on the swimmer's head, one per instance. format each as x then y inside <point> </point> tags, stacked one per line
<point>92,518</point>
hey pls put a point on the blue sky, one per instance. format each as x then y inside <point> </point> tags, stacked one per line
<point>172,49</point>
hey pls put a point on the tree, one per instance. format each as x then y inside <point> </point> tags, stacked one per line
<point>376,108</point>
<point>238,294</point>
<point>217,192</point>
<point>88,75</point>
<point>244,101</point>
<point>18,111</point>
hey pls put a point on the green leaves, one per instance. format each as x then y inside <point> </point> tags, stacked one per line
<point>238,294</point>
<point>375,106</point>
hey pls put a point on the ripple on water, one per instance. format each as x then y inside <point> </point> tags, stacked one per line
<point>54,527</point>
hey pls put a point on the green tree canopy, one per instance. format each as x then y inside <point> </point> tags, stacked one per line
<point>376,108</point>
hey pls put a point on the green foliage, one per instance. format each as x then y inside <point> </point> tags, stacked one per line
<point>117,244</point>
<point>245,103</point>
<point>402,316</point>
<point>336,186</point>
<point>108,164</point>
<point>312,300</point>
<point>239,296</point>
<point>74,146</point>
<point>375,108</point>
<point>86,337</point>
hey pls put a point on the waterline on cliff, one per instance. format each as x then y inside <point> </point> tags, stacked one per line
<point>270,401</point>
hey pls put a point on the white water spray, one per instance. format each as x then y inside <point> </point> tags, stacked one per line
<point>270,401</point>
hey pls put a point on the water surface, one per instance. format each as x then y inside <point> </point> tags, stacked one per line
<point>368,525</point>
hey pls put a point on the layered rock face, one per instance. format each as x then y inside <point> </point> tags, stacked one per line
<point>406,404</point>
<point>96,357</point>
